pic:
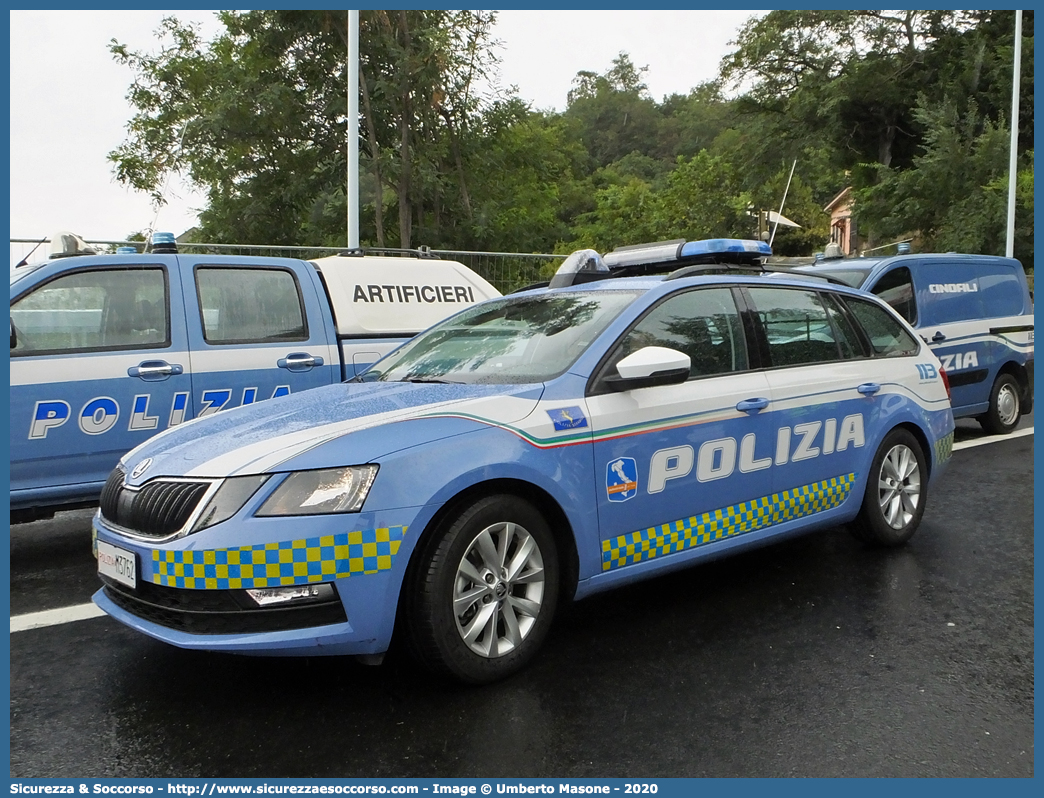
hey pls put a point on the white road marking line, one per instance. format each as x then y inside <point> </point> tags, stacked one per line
<point>81,612</point>
<point>36,620</point>
<point>992,439</point>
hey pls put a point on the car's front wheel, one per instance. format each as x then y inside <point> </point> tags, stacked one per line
<point>896,491</point>
<point>485,591</point>
<point>1005,406</point>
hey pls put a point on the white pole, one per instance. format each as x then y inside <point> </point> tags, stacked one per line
<point>781,204</point>
<point>1009,247</point>
<point>353,129</point>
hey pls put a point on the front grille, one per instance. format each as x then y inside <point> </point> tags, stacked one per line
<point>157,509</point>
<point>215,612</point>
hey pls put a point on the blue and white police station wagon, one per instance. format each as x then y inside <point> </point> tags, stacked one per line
<point>546,445</point>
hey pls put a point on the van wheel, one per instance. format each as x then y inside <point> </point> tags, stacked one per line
<point>1005,406</point>
<point>485,593</point>
<point>896,491</point>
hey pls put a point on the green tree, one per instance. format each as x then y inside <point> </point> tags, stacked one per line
<point>705,199</point>
<point>847,76</point>
<point>954,196</point>
<point>256,118</point>
<point>528,167</point>
<point>616,114</point>
<point>693,122</point>
<point>626,213</point>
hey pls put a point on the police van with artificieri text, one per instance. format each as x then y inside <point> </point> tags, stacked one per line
<point>108,350</point>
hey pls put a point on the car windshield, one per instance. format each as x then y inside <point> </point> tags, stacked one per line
<point>510,340</point>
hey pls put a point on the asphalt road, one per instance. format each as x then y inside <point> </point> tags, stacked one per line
<point>814,657</point>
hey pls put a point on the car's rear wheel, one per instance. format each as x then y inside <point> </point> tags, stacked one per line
<point>1005,406</point>
<point>485,591</point>
<point>896,491</point>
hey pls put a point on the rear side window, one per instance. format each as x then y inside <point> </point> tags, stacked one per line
<point>797,326</point>
<point>887,336</point>
<point>98,309</point>
<point>897,289</point>
<point>250,305</point>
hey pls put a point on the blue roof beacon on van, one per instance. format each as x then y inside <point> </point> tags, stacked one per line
<point>648,410</point>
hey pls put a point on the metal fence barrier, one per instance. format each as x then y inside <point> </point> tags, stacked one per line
<point>507,271</point>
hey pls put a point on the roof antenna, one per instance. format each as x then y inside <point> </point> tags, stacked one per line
<point>781,204</point>
<point>25,260</point>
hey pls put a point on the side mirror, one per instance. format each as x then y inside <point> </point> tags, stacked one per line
<point>648,367</point>
<point>14,338</point>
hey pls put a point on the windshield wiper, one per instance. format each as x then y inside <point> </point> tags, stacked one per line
<point>430,379</point>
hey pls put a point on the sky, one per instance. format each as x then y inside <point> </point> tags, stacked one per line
<point>69,109</point>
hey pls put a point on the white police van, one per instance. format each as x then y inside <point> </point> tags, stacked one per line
<point>108,350</point>
<point>552,443</point>
<point>976,313</point>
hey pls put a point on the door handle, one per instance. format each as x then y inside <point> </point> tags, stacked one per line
<point>868,388</point>
<point>939,336</point>
<point>299,361</point>
<point>752,406</point>
<point>155,370</point>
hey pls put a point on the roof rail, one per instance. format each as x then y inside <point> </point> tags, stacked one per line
<point>359,252</point>
<point>717,268</point>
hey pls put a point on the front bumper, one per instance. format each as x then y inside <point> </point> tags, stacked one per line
<point>191,592</point>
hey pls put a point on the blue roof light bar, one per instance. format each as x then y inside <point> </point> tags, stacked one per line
<point>714,246</point>
<point>679,250</point>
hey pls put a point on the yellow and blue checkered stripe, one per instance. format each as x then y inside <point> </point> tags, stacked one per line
<point>291,562</point>
<point>944,448</point>
<point>727,522</point>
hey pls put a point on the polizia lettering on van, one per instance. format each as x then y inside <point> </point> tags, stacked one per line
<point>102,413</point>
<point>955,361</point>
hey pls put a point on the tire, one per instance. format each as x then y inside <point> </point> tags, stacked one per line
<point>1005,406</point>
<point>485,591</point>
<point>896,491</point>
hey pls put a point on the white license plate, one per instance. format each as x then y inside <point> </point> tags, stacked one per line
<point>117,563</point>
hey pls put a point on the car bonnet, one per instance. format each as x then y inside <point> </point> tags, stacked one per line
<point>263,437</point>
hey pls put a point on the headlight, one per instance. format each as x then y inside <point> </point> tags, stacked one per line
<point>331,490</point>
<point>228,500</point>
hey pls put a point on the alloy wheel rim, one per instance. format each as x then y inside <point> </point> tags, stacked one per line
<point>498,589</point>
<point>899,486</point>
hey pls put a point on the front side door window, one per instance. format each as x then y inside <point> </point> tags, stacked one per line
<point>897,289</point>
<point>703,324</point>
<point>93,310</point>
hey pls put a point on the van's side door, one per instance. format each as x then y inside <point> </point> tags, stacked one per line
<point>99,363</point>
<point>256,330</point>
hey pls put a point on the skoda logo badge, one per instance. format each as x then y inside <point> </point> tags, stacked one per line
<point>141,468</point>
